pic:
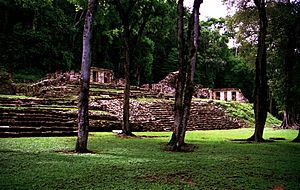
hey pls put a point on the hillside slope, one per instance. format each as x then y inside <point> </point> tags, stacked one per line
<point>245,112</point>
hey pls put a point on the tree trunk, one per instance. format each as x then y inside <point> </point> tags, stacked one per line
<point>297,139</point>
<point>189,87</point>
<point>289,121</point>
<point>260,102</point>
<point>184,85</point>
<point>130,40</point>
<point>83,119</point>
<point>178,109</point>
<point>126,106</point>
<point>289,116</point>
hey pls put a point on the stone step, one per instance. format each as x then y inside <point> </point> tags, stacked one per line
<point>26,101</point>
<point>24,116</point>
<point>34,123</point>
<point>38,134</point>
<point>35,129</point>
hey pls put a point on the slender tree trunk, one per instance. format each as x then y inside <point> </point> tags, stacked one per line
<point>185,87</point>
<point>189,89</point>
<point>178,109</point>
<point>130,41</point>
<point>83,118</point>
<point>260,102</point>
<point>126,106</point>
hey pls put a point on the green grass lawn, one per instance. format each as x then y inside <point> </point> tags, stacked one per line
<point>142,163</point>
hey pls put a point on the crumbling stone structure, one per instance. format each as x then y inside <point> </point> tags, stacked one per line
<point>100,75</point>
<point>227,94</point>
<point>168,85</point>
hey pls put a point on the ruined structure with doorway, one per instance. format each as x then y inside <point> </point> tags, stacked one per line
<point>227,94</point>
<point>62,84</point>
<point>100,75</point>
<point>167,86</point>
<point>52,111</point>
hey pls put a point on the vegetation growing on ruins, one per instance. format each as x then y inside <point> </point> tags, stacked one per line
<point>245,112</point>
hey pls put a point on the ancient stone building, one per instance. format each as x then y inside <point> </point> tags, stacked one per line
<point>100,75</point>
<point>167,86</point>
<point>227,94</point>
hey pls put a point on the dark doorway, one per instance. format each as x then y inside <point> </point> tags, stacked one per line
<point>233,96</point>
<point>95,79</point>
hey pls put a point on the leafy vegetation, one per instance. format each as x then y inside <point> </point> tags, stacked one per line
<point>142,163</point>
<point>245,112</point>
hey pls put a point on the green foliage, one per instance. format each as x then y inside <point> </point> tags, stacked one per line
<point>42,32</point>
<point>218,66</point>
<point>282,47</point>
<point>141,163</point>
<point>28,75</point>
<point>143,59</point>
<point>245,112</point>
<point>284,54</point>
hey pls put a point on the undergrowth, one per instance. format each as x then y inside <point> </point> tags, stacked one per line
<point>245,112</point>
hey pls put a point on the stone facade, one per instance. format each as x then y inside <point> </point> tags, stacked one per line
<point>227,94</point>
<point>100,75</point>
<point>168,84</point>
<point>159,115</point>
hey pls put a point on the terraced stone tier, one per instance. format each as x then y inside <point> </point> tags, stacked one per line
<point>18,120</point>
<point>158,115</point>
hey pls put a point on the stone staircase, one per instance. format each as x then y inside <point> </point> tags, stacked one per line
<point>57,117</point>
<point>72,89</point>
<point>204,115</point>
<point>158,115</point>
<point>35,122</point>
<point>40,117</point>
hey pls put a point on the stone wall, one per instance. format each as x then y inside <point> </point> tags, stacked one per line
<point>158,115</point>
<point>168,85</point>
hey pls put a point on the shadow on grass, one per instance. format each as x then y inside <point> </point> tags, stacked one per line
<point>74,152</point>
<point>247,141</point>
<point>122,135</point>
<point>185,148</point>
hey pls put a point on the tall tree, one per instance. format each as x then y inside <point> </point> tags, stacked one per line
<point>83,115</point>
<point>283,53</point>
<point>260,99</point>
<point>134,16</point>
<point>260,87</point>
<point>289,43</point>
<point>187,59</point>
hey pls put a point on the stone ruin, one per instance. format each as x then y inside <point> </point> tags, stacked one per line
<point>100,75</point>
<point>67,83</point>
<point>168,84</point>
<point>227,94</point>
<point>155,115</point>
